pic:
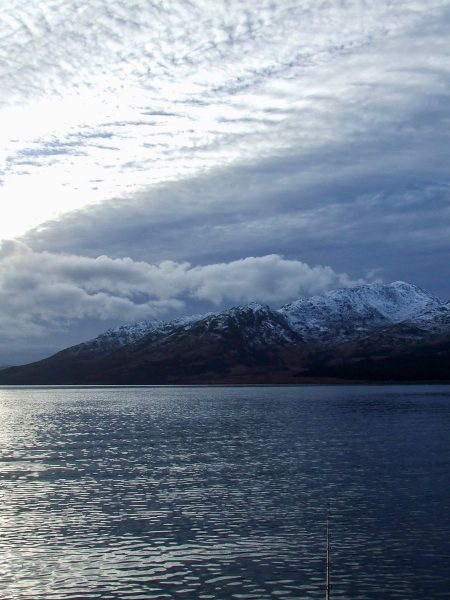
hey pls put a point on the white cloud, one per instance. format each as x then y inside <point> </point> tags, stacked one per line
<point>175,90</point>
<point>41,291</point>
<point>269,278</point>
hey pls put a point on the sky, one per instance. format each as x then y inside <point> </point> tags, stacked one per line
<point>169,158</point>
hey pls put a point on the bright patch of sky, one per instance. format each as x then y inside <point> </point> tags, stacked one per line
<point>102,99</point>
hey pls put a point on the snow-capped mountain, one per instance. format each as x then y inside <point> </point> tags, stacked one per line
<point>344,314</point>
<point>417,348</point>
<point>255,343</point>
<point>117,337</point>
<point>434,322</point>
<point>257,324</point>
<point>336,316</point>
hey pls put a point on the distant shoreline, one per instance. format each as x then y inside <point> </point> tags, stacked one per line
<point>226,385</point>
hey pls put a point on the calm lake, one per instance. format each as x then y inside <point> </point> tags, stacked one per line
<point>220,492</point>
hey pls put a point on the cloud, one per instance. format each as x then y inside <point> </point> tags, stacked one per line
<point>42,291</point>
<point>355,206</point>
<point>182,89</point>
<point>268,278</point>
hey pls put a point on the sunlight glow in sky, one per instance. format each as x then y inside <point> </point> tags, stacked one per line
<point>151,95</point>
<point>65,153</point>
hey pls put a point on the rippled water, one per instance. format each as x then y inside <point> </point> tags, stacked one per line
<point>220,493</point>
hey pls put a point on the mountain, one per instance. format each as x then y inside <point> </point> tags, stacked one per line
<point>344,314</point>
<point>366,332</point>
<point>417,348</point>
<point>116,338</point>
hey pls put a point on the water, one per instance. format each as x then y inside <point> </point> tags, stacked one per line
<point>220,493</point>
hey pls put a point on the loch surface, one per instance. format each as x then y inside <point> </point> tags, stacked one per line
<point>220,492</point>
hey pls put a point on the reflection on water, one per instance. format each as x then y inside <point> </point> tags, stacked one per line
<point>220,493</point>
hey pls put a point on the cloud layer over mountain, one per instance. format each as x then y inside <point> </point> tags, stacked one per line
<point>197,133</point>
<point>45,291</point>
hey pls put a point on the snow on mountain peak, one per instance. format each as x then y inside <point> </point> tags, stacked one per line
<point>335,316</point>
<point>342,313</point>
<point>117,337</point>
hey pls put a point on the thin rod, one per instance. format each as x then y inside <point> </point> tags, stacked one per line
<point>328,570</point>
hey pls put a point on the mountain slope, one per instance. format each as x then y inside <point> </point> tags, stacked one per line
<point>241,340</point>
<point>415,349</point>
<point>344,314</point>
<point>335,334</point>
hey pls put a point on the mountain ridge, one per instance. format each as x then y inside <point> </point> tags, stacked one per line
<point>315,337</point>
